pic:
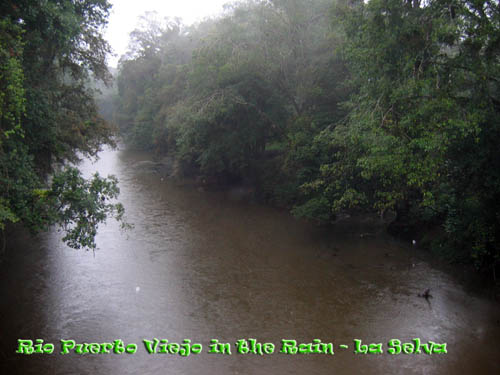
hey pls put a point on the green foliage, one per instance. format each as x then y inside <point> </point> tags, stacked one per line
<point>48,50</point>
<point>419,134</point>
<point>82,205</point>
<point>218,93</point>
<point>11,78</point>
<point>386,104</point>
<point>12,106</point>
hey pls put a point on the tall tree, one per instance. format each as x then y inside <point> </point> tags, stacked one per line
<point>420,137</point>
<point>48,51</point>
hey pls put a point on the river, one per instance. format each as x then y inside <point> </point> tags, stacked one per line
<point>200,266</point>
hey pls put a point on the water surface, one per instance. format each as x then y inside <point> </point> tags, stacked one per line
<point>200,266</point>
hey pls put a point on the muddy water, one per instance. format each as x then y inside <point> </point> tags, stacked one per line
<point>199,266</point>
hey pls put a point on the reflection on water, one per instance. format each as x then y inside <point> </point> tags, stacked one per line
<point>198,266</point>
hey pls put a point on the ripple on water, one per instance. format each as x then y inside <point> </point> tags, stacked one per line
<point>198,266</point>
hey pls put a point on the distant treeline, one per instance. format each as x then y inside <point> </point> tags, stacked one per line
<point>330,107</point>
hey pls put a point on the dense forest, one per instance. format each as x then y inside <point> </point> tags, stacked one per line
<point>329,108</point>
<point>49,53</point>
<point>326,107</point>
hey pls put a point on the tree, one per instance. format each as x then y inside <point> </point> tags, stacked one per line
<point>366,106</point>
<point>253,71</point>
<point>48,50</point>
<point>420,136</point>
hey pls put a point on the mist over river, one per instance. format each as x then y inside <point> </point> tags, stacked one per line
<point>200,266</point>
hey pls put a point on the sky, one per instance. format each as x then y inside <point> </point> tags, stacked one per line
<point>125,13</point>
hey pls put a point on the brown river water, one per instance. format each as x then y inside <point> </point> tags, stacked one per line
<point>200,266</point>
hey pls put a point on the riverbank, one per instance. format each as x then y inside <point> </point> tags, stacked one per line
<point>200,266</point>
<point>364,225</point>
